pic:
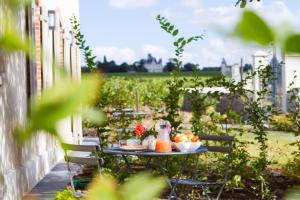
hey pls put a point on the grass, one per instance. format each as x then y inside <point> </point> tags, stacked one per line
<point>279,149</point>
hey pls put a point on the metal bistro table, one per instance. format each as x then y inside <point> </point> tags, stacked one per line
<point>152,154</point>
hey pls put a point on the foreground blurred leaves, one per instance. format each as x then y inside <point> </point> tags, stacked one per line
<point>10,38</point>
<point>64,99</point>
<point>252,28</point>
<point>139,187</point>
<point>13,5</point>
<point>292,43</point>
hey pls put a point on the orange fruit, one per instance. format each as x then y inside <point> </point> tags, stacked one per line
<point>195,139</point>
<point>189,136</point>
<point>180,138</point>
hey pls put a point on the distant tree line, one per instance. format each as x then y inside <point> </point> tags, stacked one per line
<point>113,67</point>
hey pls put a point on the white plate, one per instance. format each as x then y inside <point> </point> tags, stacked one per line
<point>132,149</point>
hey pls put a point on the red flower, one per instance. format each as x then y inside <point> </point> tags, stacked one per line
<point>139,130</point>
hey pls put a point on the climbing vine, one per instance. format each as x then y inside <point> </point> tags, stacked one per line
<point>81,43</point>
<point>175,84</point>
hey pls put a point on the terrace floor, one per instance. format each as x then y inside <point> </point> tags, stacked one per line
<point>56,180</point>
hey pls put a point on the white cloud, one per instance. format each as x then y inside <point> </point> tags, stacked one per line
<point>216,49</point>
<point>225,17</point>
<point>222,17</point>
<point>191,3</point>
<point>119,55</point>
<point>130,4</point>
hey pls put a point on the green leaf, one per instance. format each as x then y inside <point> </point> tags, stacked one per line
<point>175,32</point>
<point>94,116</point>
<point>190,39</point>
<point>243,4</point>
<point>254,29</point>
<point>55,104</point>
<point>171,28</point>
<point>104,187</point>
<point>11,41</point>
<point>292,44</point>
<point>143,186</point>
<point>180,39</point>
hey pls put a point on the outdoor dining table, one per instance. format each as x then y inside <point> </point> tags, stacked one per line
<point>152,154</point>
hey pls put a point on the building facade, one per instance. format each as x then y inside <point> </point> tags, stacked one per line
<point>286,75</point>
<point>21,78</point>
<point>152,65</point>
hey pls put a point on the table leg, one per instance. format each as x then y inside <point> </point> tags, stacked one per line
<point>148,164</point>
<point>173,187</point>
<point>161,169</point>
<point>127,164</point>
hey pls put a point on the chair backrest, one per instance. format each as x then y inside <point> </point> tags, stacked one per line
<point>217,138</point>
<point>83,148</point>
<point>91,160</point>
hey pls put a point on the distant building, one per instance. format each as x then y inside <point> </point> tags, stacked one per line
<point>152,65</point>
<point>225,69</point>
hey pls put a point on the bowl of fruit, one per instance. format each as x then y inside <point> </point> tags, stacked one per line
<point>187,142</point>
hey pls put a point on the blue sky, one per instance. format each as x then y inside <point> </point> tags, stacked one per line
<point>126,30</point>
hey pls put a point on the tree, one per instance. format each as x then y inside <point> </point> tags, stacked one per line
<point>247,67</point>
<point>188,67</point>
<point>170,66</point>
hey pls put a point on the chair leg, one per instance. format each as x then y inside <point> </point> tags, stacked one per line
<point>220,191</point>
<point>71,179</point>
<point>204,190</point>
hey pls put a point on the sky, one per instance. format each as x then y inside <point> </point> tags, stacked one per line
<point>126,30</point>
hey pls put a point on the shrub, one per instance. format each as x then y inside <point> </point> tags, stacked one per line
<point>65,195</point>
<point>282,123</point>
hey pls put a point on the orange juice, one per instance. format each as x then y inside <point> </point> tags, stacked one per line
<point>163,146</point>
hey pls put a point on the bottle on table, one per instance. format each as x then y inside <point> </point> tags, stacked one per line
<point>163,142</point>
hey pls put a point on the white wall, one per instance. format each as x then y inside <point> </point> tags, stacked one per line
<point>290,68</point>
<point>23,167</point>
<point>260,58</point>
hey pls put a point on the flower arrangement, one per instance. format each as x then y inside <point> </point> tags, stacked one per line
<point>139,130</point>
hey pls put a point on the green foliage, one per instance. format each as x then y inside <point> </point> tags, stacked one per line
<point>179,43</point>
<point>253,28</point>
<point>171,100</point>
<point>141,186</point>
<point>64,99</point>
<point>81,42</point>
<point>282,123</point>
<point>259,114</point>
<point>175,85</point>
<point>243,3</point>
<point>13,5</point>
<point>65,195</point>
<point>292,43</point>
<point>10,38</point>
<point>292,168</point>
<point>11,41</point>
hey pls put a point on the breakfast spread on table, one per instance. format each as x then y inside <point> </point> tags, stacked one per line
<point>183,142</point>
